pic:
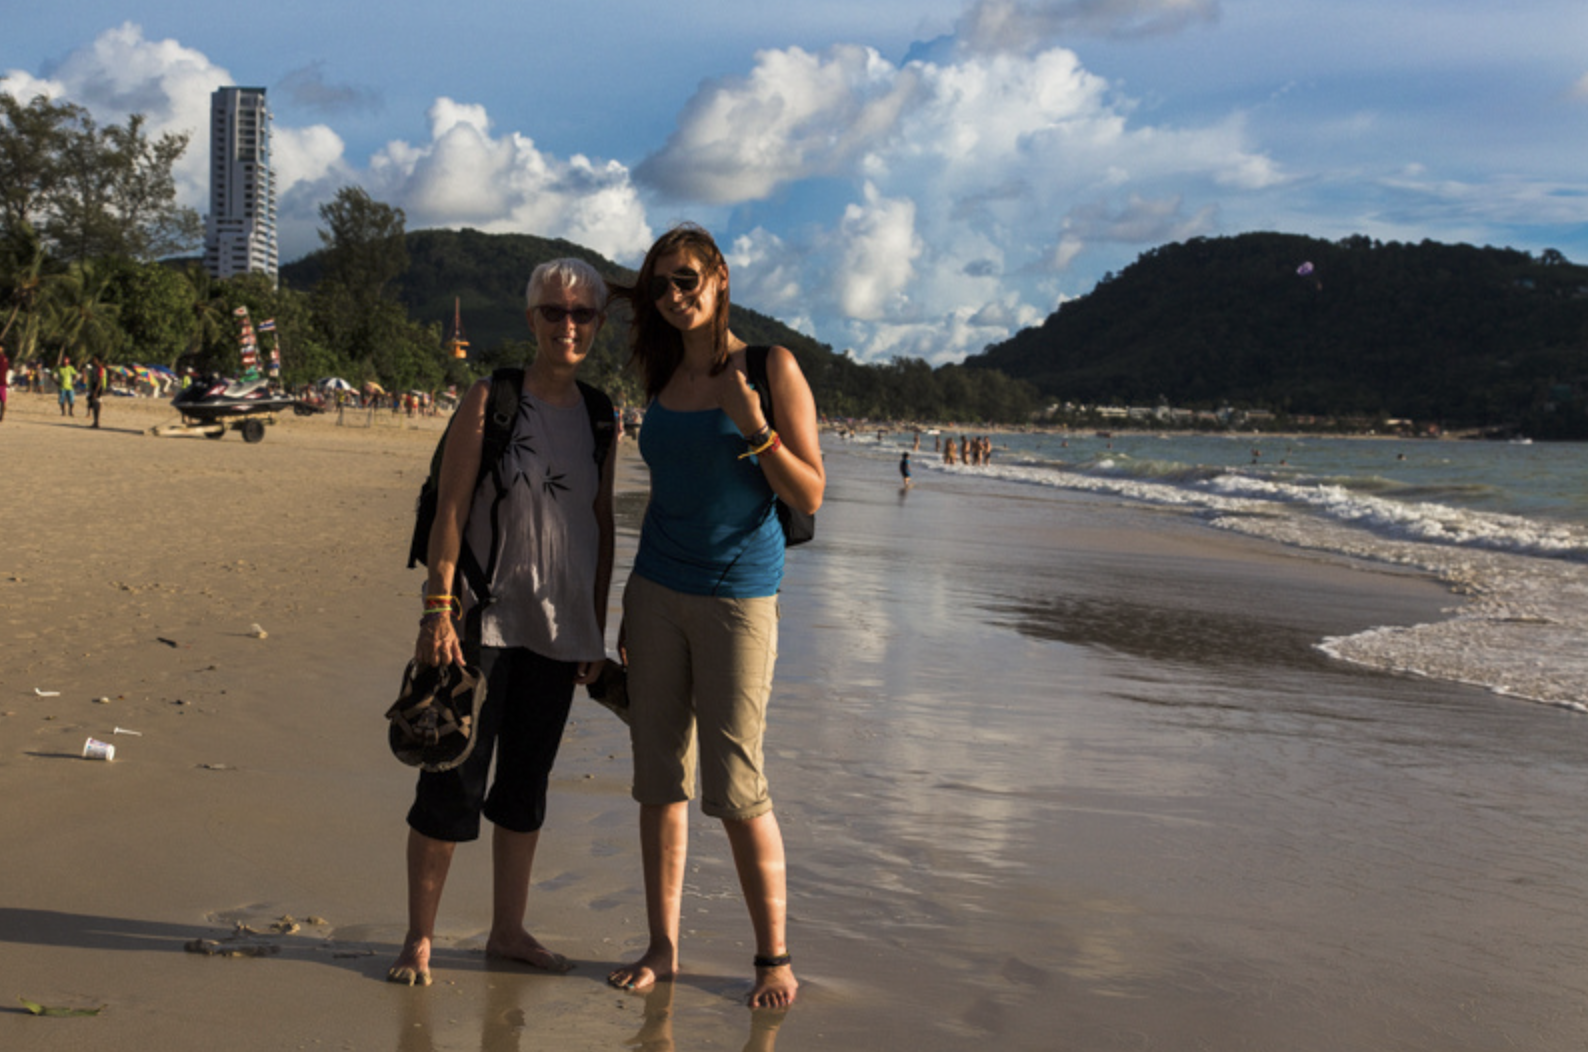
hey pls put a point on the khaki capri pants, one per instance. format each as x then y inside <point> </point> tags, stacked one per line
<point>700,673</point>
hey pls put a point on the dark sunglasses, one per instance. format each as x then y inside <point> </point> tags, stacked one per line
<point>555,315</point>
<point>683,281</point>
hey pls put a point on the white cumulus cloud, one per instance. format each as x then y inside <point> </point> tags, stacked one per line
<point>121,73</point>
<point>877,246</point>
<point>973,182</point>
<point>466,176</point>
<point>797,115</point>
<point>307,156</point>
<point>24,87</point>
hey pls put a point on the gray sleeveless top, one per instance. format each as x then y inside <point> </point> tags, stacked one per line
<point>548,541</point>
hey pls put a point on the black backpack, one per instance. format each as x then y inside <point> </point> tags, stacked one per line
<point>798,527</point>
<point>501,410</point>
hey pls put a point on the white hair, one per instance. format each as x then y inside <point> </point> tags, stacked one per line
<point>570,274</point>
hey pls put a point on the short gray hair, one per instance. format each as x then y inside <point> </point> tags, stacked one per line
<point>570,274</point>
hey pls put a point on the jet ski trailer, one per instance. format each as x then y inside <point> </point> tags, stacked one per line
<point>209,406</point>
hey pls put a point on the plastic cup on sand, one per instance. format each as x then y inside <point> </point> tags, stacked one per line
<point>94,749</point>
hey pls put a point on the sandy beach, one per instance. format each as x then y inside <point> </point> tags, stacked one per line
<point>1054,772</point>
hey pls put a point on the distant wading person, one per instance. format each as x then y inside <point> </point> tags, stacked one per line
<point>543,633</point>
<point>700,611</point>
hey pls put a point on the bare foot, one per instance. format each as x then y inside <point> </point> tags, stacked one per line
<point>412,967</point>
<point>524,948</point>
<point>774,987</point>
<point>646,972</point>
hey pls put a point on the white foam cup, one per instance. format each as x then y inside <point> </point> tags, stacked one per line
<point>94,749</point>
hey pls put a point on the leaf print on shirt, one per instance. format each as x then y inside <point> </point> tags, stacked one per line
<point>552,483</point>
<point>522,449</point>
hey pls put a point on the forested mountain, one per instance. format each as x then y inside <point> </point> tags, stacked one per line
<point>1447,334</point>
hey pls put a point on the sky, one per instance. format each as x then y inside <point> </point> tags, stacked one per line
<point>897,178</point>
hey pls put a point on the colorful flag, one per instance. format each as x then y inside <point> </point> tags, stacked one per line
<point>268,325</point>
<point>241,312</point>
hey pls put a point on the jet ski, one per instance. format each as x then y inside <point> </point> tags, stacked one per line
<point>211,404</point>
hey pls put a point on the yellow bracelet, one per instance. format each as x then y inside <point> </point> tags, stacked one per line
<point>772,442</point>
<point>440,604</point>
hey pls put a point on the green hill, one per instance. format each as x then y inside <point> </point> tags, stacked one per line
<point>1448,334</point>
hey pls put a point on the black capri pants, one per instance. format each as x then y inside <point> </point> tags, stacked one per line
<point>527,698</point>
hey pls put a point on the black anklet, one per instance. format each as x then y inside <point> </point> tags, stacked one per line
<point>762,961</point>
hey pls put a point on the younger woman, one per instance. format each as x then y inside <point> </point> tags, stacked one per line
<point>700,610</point>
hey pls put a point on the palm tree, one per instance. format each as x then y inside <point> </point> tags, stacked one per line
<point>76,314</point>
<point>29,279</point>
<point>211,322</point>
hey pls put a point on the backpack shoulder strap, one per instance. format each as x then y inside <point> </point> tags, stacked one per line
<point>501,409</point>
<point>603,425</point>
<point>755,368</point>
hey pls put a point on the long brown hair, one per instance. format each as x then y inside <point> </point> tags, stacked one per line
<point>656,346</point>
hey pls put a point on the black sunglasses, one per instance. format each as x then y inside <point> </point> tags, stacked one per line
<point>555,315</point>
<point>683,281</point>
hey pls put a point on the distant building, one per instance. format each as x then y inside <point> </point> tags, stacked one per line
<point>240,233</point>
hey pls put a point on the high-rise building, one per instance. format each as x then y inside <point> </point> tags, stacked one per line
<point>240,234</point>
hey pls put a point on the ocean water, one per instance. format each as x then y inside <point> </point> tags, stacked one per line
<point>1504,525</point>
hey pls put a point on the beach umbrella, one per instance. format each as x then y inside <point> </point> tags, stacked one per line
<point>334,383</point>
<point>374,387</point>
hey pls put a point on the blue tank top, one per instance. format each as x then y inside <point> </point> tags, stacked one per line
<point>710,528</point>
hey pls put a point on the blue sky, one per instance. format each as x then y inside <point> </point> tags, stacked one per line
<point>895,178</point>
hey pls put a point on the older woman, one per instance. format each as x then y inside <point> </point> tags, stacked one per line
<point>700,611</point>
<point>542,523</point>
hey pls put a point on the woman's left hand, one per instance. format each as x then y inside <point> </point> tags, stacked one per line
<point>587,672</point>
<point>738,399</point>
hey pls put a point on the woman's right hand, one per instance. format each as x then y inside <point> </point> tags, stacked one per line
<point>438,643</point>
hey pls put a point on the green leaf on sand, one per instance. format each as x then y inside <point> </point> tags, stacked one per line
<point>38,1009</point>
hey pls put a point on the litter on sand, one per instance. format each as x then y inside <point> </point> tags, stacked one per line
<point>123,730</point>
<point>257,632</point>
<point>37,1009</point>
<point>46,693</point>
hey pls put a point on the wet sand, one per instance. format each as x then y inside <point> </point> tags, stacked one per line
<point>1053,773</point>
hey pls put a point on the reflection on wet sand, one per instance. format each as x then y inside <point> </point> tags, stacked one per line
<point>656,1033</point>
